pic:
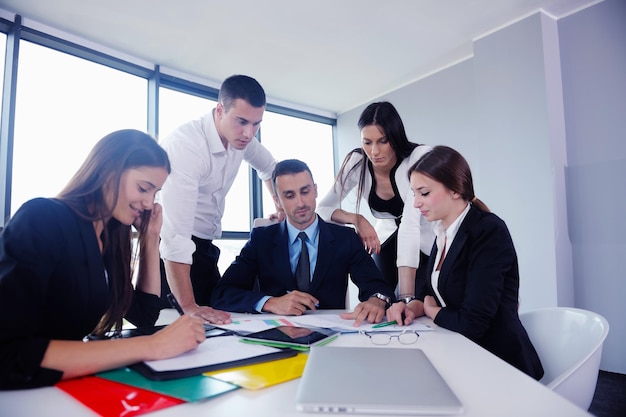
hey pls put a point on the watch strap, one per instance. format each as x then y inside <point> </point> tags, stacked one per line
<point>406,299</point>
<point>383,297</point>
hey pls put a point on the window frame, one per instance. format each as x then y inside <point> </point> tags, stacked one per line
<point>155,79</point>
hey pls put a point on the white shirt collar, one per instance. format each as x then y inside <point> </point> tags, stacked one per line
<point>310,231</point>
<point>451,231</point>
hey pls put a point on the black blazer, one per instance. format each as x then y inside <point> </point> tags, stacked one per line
<point>52,286</point>
<point>479,282</point>
<point>266,257</point>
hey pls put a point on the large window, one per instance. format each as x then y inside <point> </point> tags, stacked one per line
<point>68,97</point>
<point>294,138</point>
<point>284,136</point>
<point>176,108</point>
<point>64,105</point>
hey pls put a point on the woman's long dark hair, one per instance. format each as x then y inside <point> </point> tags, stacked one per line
<point>448,167</point>
<point>384,115</point>
<point>86,193</point>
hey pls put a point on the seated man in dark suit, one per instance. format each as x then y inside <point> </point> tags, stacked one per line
<point>263,278</point>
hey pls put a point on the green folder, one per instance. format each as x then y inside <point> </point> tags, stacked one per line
<point>192,388</point>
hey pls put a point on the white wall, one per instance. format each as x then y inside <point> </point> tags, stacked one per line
<point>593,57</point>
<point>508,110</point>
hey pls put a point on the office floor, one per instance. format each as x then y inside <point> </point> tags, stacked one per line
<point>609,399</point>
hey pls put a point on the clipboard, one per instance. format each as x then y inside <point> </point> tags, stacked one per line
<point>215,353</point>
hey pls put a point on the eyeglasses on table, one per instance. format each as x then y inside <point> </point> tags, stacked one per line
<point>405,337</point>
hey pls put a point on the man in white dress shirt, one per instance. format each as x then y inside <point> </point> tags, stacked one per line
<point>205,155</point>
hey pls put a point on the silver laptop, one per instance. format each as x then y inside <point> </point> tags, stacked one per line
<point>373,381</point>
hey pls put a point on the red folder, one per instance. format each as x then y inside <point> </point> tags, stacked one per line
<point>112,399</point>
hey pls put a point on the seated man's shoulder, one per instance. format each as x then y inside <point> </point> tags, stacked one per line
<point>340,231</point>
<point>264,232</point>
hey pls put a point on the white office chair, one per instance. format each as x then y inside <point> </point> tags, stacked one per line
<point>262,222</point>
<point>569,343</point>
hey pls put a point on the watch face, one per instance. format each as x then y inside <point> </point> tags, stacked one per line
<point>382,297</point>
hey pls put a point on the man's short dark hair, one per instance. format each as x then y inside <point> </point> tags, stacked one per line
<point>241,87</point>
<point>287,167</point>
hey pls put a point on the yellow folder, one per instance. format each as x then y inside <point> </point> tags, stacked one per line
<point>261,375</point>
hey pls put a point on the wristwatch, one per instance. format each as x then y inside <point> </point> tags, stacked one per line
<point>406,299</point>
<point>383,297</point>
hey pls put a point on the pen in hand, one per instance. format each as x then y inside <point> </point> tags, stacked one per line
<point>174,303</point>
<point>316,304</point>
<point>388,323</point>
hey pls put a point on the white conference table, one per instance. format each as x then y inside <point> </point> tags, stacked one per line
<point>486,385</point>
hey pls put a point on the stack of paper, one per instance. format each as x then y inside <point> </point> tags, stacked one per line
<point>335,322</point>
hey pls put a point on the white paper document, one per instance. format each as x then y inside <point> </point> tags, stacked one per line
<point>212,351</point>
<point>258,322</point>
<point>334,321</point>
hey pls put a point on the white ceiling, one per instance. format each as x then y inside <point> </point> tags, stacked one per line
<point>328,55</point>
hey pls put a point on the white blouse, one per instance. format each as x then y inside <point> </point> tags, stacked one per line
<point>445,237</point>
<point>414,234</point>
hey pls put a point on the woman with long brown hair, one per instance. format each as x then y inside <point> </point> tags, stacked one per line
<point>66,276</point>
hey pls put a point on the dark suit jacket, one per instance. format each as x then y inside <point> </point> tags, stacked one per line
<point>266,257</point>
<point>52,286</point>
<point>479,282</point>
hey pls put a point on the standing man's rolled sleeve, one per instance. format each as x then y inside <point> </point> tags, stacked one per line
<point>260,159</point>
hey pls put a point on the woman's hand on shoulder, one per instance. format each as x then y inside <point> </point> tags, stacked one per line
<point>368,235</point>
